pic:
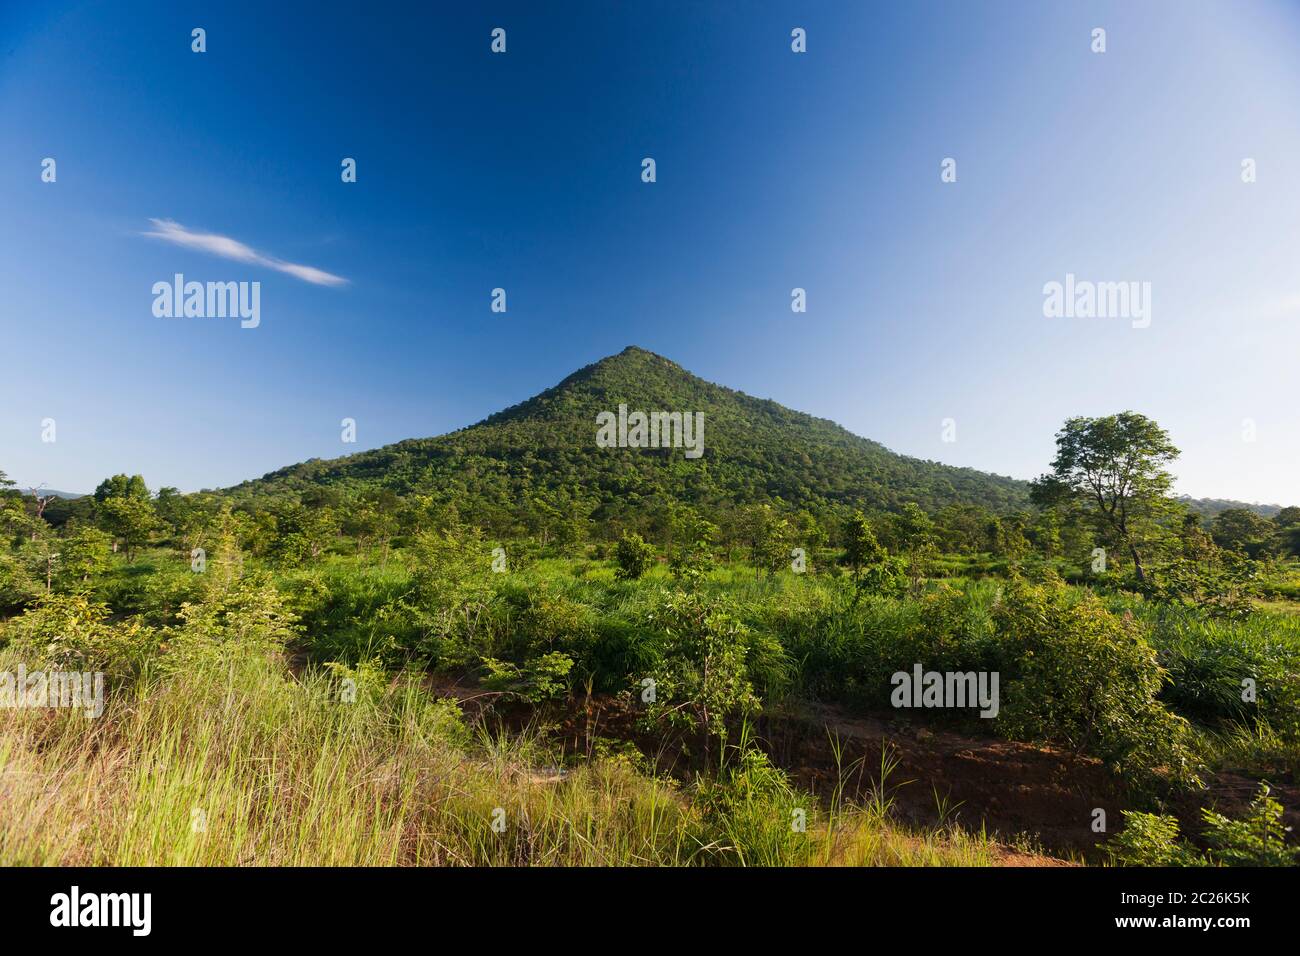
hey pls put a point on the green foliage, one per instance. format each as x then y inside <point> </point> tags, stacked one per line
<point>1150,839</point>
<point>451,577</point>
<point>121,486</point>
<point>692,554</point>
<point>1237,529</point>
<point>536,680</point>
<point>1257,839</point>
<point>767,537</point>
<point>871,568</point>
<point>1221,585</point>
<point>249,616</point>
<point>74,633</point>
<point>129,519</point>
<point>85,553</point>
<point>1114,470</point>
<point>304,534</point>
<point>634,557</point>
<point>702,675</point>
<point>1086,678</point>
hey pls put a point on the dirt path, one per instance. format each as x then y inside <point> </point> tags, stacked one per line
<point>1034,800</point>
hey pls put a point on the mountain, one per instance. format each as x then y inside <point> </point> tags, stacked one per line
<point>754,450</point>
<point>66,495</point>
<point>1209,507</point>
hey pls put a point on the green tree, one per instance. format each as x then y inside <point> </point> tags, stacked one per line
<point>861,549</point>
<point>1114,469</point>
<point>693,538</point>
<point>1288,517</point>
<point>129,519</point>
<point>767,536</point>
<point>85,553</point>
<point>120,486</point>
<point>702,675</point>
<point>633,556</point>
<point>1239,529</point>
<point>305,533</point>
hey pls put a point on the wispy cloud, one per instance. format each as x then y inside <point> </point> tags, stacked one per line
<point>227,248</point>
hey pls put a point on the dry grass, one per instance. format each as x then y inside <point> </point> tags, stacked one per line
<point>237,762</point>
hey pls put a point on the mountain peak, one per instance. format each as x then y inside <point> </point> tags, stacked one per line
<point>752,451</point>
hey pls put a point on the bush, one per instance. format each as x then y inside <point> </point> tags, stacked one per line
<point>247,618</point>
<point>452,587</point>
<point>1150,839</point>
<point>540,679</point>
<point>702,676</point>
<point>634,557</point>
<point>72,632</point>
<point>1085,678</point>
<point>1258,839</point>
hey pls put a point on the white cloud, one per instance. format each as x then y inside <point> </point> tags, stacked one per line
<point>227,248</point>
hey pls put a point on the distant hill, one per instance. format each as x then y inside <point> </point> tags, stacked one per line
<point>50,492</point>
<point>1209,507</point>
<point>544,449</point>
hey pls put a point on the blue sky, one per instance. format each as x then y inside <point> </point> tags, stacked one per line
<point>522,170</point>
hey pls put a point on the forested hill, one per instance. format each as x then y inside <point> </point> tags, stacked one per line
<point>543,454</point>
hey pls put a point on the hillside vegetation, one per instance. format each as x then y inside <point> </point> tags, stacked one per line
<point>542,454</point>
<point>510,646</point>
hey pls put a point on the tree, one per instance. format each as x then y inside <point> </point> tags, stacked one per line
<point>871,568</point>
<point>120,486</point>
<point>172,507</point>
<point>1195,544</point>
<point>305,533</point>
<point>1114,469</point>
<point>693,538</point>
<point>1046,532</point>
<point>914,529</point>
<point>129,519</point>
<point>861,548</point>
<point>1285,518</point>
<point>1238,529</point>
<point>85,553</point>
<point>809,531</point>
<point>767,536</point>
<point>634,557</point>
<point>702,675</point>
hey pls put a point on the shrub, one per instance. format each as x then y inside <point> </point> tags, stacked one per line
<point>1258,839</point>
<point>540,679</point>
<point>1085,678</point>
<point>452,587</point>
<point>249,617</point>
<point>634,557</point>
<point>702,676</point>
<point>72,632</point>
<point>1150,839</point>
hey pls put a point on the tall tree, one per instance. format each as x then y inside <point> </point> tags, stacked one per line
<point>1114,468</point>
<point>120,486</point>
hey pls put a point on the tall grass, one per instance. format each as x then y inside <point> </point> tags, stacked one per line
<point>235,761</point>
